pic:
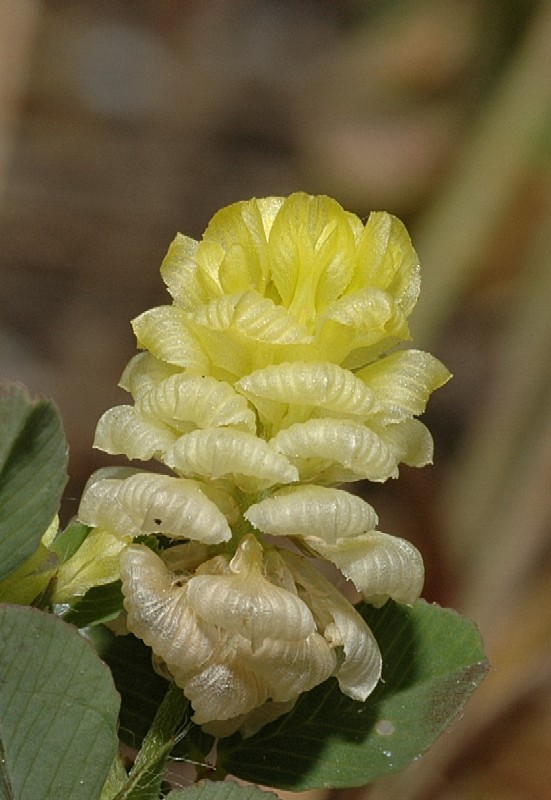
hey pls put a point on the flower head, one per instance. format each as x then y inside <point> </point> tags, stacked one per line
<point>277,372</point>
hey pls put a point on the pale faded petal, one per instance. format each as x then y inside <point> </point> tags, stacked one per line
<point>318,444</point>
<point>159,615</point>
<point>402,382</point>
<point>224,690</point>
<point>329,514</point>
<point>379,565</point>
<point>251,723</point>
<point>122,430</point>
<point>166,333</point>
<point>321,385</point>
<point>247,604</point>
<point>292,667</point>
<point>219,452</point>
<point>186,402</point>
<point>360,669</point>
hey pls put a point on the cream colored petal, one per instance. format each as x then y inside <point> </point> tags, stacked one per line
<point>379,565</point>
<point>247,604</point>
<point>159,615</point>
<point>219,452</point>
<point>122,430</point>
<point>99,507</point>
<point>360,668</point>
<point>292,667</point>
<point>173,506</point>
<point>411,440</point>
<point>185,402</point>
<point>325,442</point>
<point>402,382</point>
<point>224,690</point>
<point>326,386</point>
<point>95,563</point>
<point>329,514</point>
<point>165,332</point>
<point>149,503</point>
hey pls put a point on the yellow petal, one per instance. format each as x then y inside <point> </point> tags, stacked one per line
<point>360,326</point>
<point>165,332</point>
<point>220,452</point>
<point>240,230</point>
<point>329,514</point>
<point>379,565</point>
<point>312,248</point>
<point>189,271</point>
<point>388,261</point>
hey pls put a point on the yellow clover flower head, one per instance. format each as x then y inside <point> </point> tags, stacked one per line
<point>277,373</point>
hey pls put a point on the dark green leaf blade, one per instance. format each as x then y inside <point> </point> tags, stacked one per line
<point>432,661</point>
<point>33,473</point>
<point>99,604</point>
<point>226,790</point>
<point>58,708</point>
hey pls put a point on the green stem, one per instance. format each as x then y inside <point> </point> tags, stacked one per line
<point>146,775</point>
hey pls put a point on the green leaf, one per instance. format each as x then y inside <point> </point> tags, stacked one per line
<point>227,790</point>
<point>99,604</point>
<point>141,689</point>
<point>67,543</point>
<point>432,661</point>
<point>33,463</point>
<point>58,710</point>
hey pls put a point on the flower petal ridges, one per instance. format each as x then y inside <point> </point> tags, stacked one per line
<point>280,370</point>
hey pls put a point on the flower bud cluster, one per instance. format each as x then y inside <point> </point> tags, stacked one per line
<point>277,372</point>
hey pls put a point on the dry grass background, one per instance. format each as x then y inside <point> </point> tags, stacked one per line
<point>121,123</point>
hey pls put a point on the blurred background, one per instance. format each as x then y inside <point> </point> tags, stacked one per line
<point>122,123</point>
